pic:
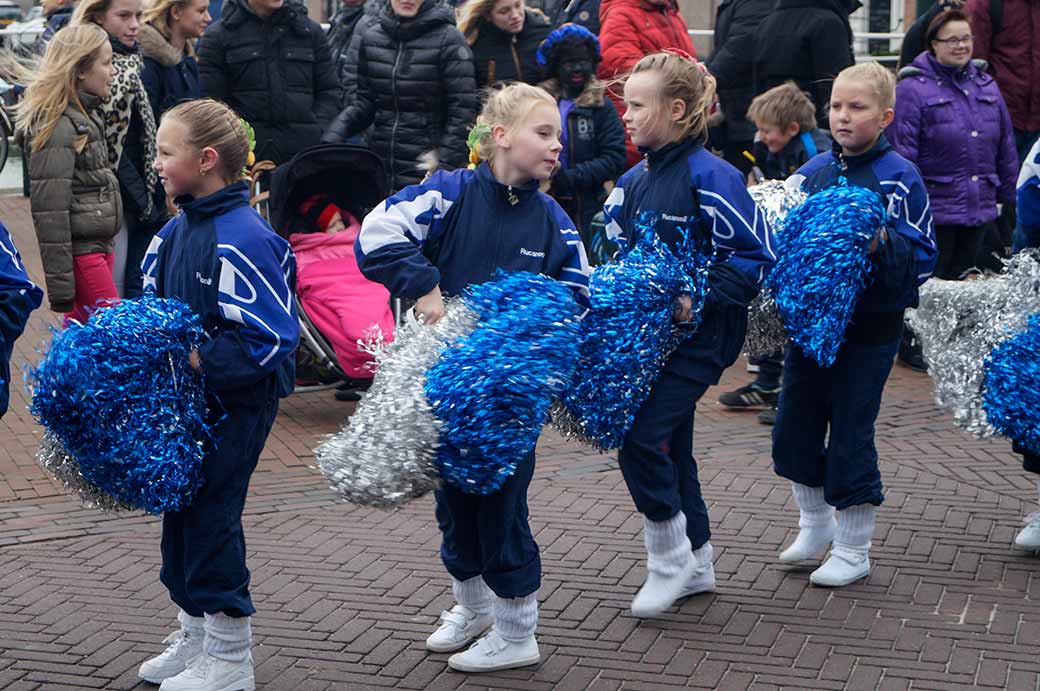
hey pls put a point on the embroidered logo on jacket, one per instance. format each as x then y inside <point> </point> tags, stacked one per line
<point>528,253</point>
<point>203,281</point>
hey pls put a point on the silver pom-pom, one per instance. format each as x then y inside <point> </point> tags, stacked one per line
<point>765,330</point>
<point>776,200</point>
<point>960,322</point>
<point>53,458</point>
<point>384,454</point>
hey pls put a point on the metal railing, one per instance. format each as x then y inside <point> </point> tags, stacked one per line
<point>858,39</point>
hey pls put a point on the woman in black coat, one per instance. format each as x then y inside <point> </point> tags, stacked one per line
<point>505,37</point>
<point>415,89</point>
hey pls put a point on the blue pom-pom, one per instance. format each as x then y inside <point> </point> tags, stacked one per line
<point>823,266</point>
<point>491,390</point>
<point>1011,387</point>
<point>630,332</point>
<point>120,396</point>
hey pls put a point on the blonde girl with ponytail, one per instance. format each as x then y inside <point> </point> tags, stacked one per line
<point>685,190</point>
<point>74,194</point>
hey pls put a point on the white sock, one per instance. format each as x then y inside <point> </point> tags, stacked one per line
<point>516,618</point>
<point>227,638</point>
<point>473,594</point>
<point>855,528</point>
<point>668,548</point>
<point>813,510</point>
<point>193,627</point>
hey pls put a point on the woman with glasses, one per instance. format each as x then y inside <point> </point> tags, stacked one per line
<point>952,122</point>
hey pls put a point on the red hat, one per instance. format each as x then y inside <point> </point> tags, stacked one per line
<point>319,210</point>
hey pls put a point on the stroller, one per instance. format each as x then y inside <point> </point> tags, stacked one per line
<point>352,178</point>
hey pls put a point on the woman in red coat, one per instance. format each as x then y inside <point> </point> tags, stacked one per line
<point>630,29</point>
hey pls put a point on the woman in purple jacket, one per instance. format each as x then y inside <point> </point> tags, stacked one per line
<point>952,122</point>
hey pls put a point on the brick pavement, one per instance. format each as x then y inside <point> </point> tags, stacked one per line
<point>346,595</point>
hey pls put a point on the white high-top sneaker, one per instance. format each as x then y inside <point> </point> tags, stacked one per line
<point>184,646</point>
<point>703,580</point>
<point>815,522</point>
<point>207,673</point>
<point>849,558</point>
<point>468,619</point>
<point>459,627</point>
<point>670,565</point>
<point>510,644</point>
<point>1029,537</point>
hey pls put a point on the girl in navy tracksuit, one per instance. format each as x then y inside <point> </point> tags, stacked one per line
<point>842,473</point>
<point>18,298</point>
<point>219,256</point>
<point>434,239</point>
<point>687,189</point>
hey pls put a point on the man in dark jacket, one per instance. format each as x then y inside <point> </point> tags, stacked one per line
<point>808,41</point>
<point>415,88</point>
<point>58,14</point>
<point>582,12</point>
<point>269,62</point>
<point>730,63</point>
<point>913,41</point>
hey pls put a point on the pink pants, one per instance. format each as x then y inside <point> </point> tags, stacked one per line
<point>94,284</point>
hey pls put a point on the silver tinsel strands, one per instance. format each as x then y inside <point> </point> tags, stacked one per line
<point>384,454</point>
<point>53,458</point>
<point>960,322</point>
<point>765,330</point>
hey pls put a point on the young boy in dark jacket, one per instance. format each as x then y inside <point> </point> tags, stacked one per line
<point>787,138</point>
<point>593,138</point>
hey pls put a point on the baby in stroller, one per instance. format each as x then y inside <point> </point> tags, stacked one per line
<point>341,303</point>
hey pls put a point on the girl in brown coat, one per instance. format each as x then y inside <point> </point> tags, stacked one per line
<point>74,193</point>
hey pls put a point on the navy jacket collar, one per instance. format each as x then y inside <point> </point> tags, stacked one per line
<point>879,149</point>
<point>670,153</point>
<point>506,193</point>
<point>220,202</point>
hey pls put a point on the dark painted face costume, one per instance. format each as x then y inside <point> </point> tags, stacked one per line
<point>575,65</point>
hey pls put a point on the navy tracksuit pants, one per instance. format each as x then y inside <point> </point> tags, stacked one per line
<point>488,535</point>
<point>824,432</point>
<point>204,547</point>
<point>656,456</point>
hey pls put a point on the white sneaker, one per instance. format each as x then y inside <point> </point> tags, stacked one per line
<point>702,582</point>
<point>182,649</point>
<point>208,673</point>
<point>459,627</point>
<point>841,568</point>
<point>660,592</point>
<point>1029,537</point>
<point>492,653</point>
<point>811,542</point>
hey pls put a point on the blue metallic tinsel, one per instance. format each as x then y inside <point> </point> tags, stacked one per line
<point>491,390</point>
<point>630,332</point>
<point>1011,389</point>
<point>823,266</point>
<point>120,398</point>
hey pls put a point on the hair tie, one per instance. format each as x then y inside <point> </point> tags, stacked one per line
<point>476,135</point>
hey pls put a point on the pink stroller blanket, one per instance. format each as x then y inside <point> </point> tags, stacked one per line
<point>342,303</point>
